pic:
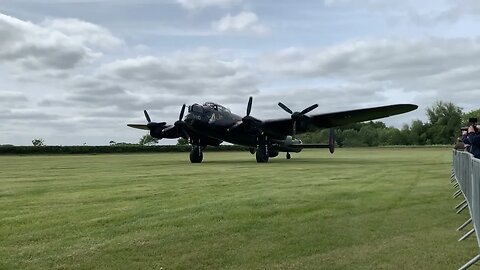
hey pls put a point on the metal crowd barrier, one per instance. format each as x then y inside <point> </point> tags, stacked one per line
<point>466,176</point>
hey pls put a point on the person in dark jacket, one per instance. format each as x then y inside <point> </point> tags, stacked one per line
<point>473,138</point>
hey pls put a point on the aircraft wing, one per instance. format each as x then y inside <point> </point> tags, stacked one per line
<point>328,120</point>
<point>138,126</point>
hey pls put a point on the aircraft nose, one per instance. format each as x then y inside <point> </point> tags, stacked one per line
<point>189,119</point>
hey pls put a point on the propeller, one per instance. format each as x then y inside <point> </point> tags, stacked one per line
<point>154,127</point>
<point>180,124</point>
<point>296,116</point>
<point>247,120</point>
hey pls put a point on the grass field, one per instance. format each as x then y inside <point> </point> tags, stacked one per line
<point>357,209</point>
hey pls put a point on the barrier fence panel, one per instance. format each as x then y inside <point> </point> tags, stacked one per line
<point>475,210</point>
<point>466,170</point>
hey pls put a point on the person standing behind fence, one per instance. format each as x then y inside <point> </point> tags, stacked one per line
<point>473,138</point>
<point>459,145</point>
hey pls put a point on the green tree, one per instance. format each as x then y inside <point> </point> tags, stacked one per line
<point>470,114</point>
<point>446,120</point>
<point>38,142</point>
<point>182,141</point>
<point>418,133</point>
<point>368,135</point>
<point>147,140</point>
<point>351,138</point>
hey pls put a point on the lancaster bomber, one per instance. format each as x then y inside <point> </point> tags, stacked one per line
<point>212,124</point>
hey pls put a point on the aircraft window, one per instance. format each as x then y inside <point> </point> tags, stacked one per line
<point>223,109</point>
<point>197,108</point>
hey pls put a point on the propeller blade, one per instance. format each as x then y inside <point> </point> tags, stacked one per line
<point>309,109</point>
<point>331,140</point>
<point>181,113</point>
<point>249,106</point>
<point>285,107</point>
<point>294,129</point>
<point>147,116</point>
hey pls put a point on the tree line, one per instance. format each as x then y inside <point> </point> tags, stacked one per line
<point>442,128</point>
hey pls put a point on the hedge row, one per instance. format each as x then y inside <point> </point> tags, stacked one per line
<point>24,150</point>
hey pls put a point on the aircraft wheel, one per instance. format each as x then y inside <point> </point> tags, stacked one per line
<point>262,153</point>
<point>196,155</point>
<point>289,156</point>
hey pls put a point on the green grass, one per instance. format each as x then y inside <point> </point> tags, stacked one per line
<point>357,209</point>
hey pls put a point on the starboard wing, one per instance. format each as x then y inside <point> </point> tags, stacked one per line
<point>328,120</point>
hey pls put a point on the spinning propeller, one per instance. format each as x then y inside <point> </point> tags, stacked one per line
<point>296,116</point>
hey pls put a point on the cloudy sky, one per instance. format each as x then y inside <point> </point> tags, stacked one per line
<point>77,71</point>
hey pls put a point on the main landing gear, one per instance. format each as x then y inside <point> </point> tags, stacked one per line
<point>196,154</point>
<point>262,150</point>
<point>289,156</point>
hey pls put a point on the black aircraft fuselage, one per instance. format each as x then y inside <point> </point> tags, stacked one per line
<point>215,121</point>
<point>212,124</point>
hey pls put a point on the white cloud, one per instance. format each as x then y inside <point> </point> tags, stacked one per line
<point>242,22</point>
<point>32,47</point>
<point>184,73</point>
<point>195,4</point>
<point>84,32</point>
<point>443,68</point>
<point>459,9</point>
<point>384,59</point>
<point>9,99</point>
<point>423,13</point>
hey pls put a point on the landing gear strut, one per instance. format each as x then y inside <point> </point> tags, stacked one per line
<point>196,154</point>
<point>262,150</point>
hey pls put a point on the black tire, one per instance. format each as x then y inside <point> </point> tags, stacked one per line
<point>289,156</point>
<point>196,155</point>
<point>262,154</point>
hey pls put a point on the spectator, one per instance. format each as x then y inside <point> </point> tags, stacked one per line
<point>459,145</point>
<point>473,138</point>
<point>466,142</point>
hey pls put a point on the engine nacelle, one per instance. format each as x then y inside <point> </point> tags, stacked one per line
<point>291,141</point>
<point>156,129</point>
<point>272,152</point>
<point>157,133</point>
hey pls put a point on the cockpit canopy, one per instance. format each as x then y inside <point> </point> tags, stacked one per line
<point>199,109</point>
<point>216,107</point>
<point>195,108</point>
